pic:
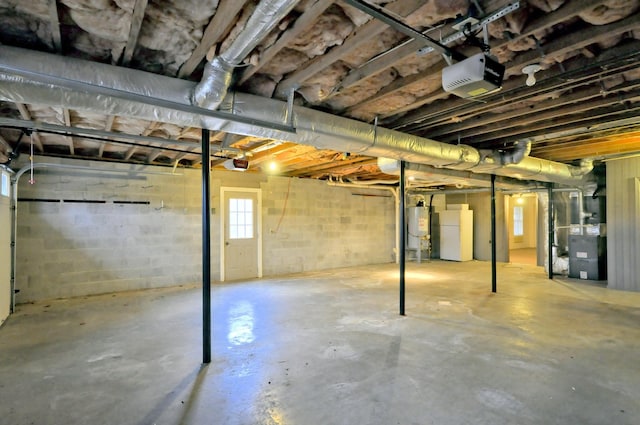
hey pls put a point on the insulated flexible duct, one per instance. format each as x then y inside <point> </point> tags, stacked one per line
<point>218,73</point>
<point>41,78</point>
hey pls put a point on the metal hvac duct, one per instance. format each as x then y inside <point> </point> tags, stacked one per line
<point>41,78</point>
<point>513,156</point>
<point>218,73</point>
<point>429,176</point>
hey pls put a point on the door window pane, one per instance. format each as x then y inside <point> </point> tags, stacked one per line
<point>240,218</point>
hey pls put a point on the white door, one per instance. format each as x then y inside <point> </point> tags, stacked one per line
<point>5,246</point>
<point>241,238</point>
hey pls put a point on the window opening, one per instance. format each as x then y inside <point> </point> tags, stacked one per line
<point>518,221</point>
<point>4,189</point>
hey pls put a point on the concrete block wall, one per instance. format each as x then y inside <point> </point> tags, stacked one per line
<point>67,248</point>
<point>70,249</point>
<point>324,227</point>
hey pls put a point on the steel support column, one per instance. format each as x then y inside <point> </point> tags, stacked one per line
<point>401,247</point>
<point>494,282</point>
<point>206,248</point>
<point>551,230</point>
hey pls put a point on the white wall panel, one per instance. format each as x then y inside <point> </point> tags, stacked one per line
<point>623,224</point>
<point>5,250</point>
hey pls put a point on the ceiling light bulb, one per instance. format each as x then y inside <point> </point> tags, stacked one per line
<point>530,70</point>
<point>273,166</point>
<point>531,80</point>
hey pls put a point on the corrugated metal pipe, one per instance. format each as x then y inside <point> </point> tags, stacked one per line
<point>218,73</point>
<point>45,79</point>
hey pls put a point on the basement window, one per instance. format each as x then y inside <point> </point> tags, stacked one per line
<point>4,189</point>
<point>518,221</point>
<point>240,218</point>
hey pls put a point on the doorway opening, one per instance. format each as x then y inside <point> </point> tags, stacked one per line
<point>523,228</point>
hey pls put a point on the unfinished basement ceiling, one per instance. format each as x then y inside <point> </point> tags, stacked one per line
<point>341,61</point>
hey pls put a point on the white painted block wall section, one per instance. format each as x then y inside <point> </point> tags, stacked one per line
<point>70,249</point>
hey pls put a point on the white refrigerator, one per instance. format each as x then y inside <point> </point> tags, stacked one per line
<point>456,235</point>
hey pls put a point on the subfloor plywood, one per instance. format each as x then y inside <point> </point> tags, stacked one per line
<point>330,348</point>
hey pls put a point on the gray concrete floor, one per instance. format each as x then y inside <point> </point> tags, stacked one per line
<point>523,256</point>
<point>330,348</point>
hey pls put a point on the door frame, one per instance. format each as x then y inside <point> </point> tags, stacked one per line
<point>223,210</point>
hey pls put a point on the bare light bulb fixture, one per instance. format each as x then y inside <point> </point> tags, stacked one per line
<point>530,70</point>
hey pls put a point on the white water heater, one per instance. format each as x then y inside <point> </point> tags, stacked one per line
<point>417,227</point>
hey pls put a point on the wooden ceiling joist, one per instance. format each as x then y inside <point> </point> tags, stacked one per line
<point>219,25</point>
<point>514,93</point>
<point>613,133</point>
<point>67,122</point>
<point>300,152</point>
<point>153,155</point>
<point>354,170</point>
<point>326,167</point>
<point>267,155</point>
<point>181,155</point>
<point>5,147</point>
<point>54,25</point>
<point>129,153</point>
<point>107,127</point>
<point>364,34</point>
<point>557,125</point>
<point>24,112</point>
<point>134,31</point>
<point>301,24</point>
<point>598,150</point>
<point>586,100</point>
<point>554,48</point>
<point>402,51</point>
<point>580,110</point>
<point>580,100</point>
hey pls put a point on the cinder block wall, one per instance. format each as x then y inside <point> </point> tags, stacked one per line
<point>324,227</point>
<point>70,249</point>
<point>67,248</point>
